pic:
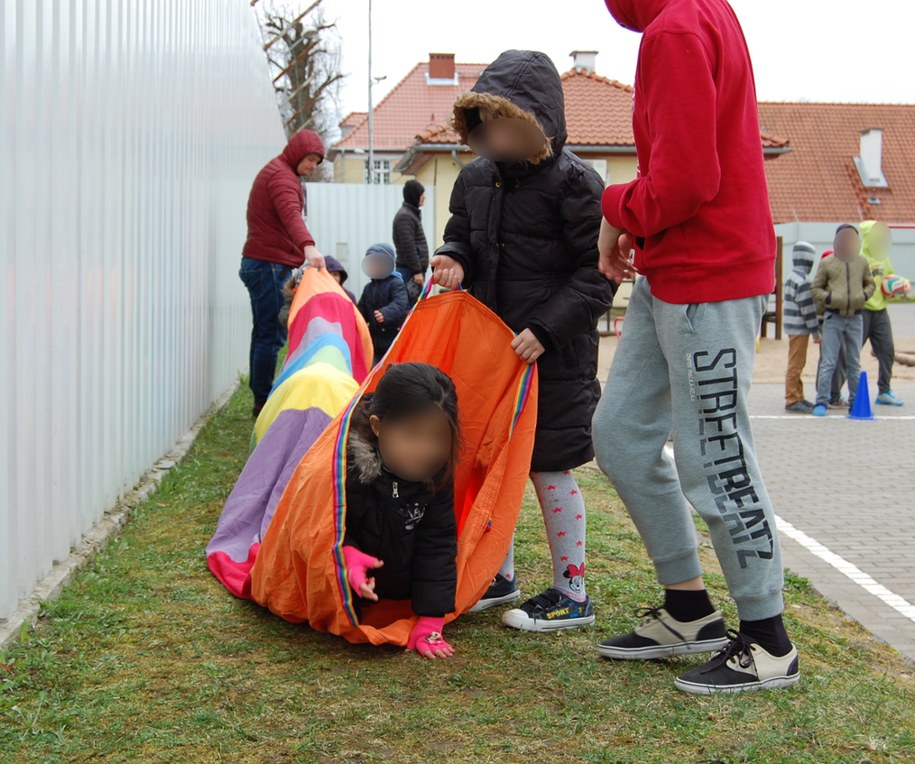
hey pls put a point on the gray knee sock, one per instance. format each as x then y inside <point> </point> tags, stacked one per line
<point>564,516</point>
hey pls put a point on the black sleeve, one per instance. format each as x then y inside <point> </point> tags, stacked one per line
<point>457,231</point>
<point>434,558</point>
<point>396,310</point>
<point>363,306</point>
<point>575,307</point>
<point>405,242</point>
<point>355,511</point>
<point>422,247</point>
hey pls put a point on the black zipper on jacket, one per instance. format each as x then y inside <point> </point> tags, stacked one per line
<point>394,492</point>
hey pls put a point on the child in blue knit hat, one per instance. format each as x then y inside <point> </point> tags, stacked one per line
<point>384,300</point>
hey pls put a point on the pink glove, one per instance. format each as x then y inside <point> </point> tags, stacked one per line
<point>358,565</point>
<point>426,638</point>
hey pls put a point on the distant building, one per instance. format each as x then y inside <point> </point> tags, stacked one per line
<point>847,163</point>
<point>421,100</point>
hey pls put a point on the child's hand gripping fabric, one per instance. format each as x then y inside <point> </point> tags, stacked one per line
<point>527,346</point>
<point>358,565</point>
<point>446,272</point>
<point>426,638</point>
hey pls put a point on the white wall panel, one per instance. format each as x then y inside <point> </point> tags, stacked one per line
<point>131,131</point>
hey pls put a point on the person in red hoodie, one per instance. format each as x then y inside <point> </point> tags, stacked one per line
<point>698,218</point>
<point>278,241</point>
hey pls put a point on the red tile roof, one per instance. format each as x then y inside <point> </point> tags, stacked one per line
<point>817,181</point>
<point>598,110</point>
<point>598,113</point>
<point>353,118</point>
<point>412,106</point>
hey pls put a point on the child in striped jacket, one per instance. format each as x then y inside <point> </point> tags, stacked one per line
<point>800,316</point>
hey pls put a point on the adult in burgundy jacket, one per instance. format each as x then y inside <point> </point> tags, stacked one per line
<point>699,220</point>
<point>278,241</point>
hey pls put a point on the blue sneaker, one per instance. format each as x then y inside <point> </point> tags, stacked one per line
<point>550,611</point>
<point>819,410</point>
<point>888,399</point>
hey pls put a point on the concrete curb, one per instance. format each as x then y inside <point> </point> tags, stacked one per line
<point>49,588</point>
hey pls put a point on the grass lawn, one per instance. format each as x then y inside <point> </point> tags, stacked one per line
<point>145,658</point>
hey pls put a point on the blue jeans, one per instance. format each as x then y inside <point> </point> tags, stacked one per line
<point>839,332</point>
<point>264,282</point>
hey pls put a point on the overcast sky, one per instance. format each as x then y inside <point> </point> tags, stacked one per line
<point>816,50</point>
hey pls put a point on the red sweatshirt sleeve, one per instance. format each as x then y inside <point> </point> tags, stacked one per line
<point>288,205</point>
<point>678,94</point>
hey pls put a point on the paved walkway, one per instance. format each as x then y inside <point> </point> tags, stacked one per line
<point>845,490</point>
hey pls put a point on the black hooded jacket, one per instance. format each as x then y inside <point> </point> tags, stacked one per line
<point>410,239</point>
<point>405,525</point>
<point>526,236</point>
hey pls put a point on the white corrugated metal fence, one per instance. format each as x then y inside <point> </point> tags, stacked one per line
<point>131,131</point>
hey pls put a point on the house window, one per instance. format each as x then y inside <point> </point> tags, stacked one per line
<point>381,172</point>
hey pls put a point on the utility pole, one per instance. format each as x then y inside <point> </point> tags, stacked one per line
<point>371,166</point>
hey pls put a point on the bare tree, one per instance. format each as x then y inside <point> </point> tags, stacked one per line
<point>303,49</point>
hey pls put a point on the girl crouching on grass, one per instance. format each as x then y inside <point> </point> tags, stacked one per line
<point>401,532</point>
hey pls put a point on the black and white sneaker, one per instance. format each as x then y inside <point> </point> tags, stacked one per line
<point>661,635</point>
<point>500,592</point>
<point>550,611</point>
<point>742,666</point>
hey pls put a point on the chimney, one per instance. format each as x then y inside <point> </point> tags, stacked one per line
<point>584,60</point>
<point>870,162</point>
<point>441,66</point>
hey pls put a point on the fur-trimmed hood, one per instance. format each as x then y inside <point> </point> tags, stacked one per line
<point>523,85</point>
<point>363,458</point>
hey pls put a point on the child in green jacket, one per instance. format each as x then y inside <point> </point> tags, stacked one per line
<point>875,247</point>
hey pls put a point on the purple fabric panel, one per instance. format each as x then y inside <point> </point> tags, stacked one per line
<point>251,504</point>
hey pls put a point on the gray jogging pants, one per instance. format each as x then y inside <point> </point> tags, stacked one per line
<point>686,370</point>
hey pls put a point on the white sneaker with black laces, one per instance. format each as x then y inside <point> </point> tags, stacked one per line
<point>661,635</point>
<point>742,666</point>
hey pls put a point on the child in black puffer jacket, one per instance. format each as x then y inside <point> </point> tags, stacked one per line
<point>522,239</point>
<point>401,533</point>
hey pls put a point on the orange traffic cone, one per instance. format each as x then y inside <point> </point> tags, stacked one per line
<point>861,408</point>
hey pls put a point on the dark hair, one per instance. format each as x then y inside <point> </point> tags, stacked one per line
<point>408,389</point>
<point>844,226</point>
